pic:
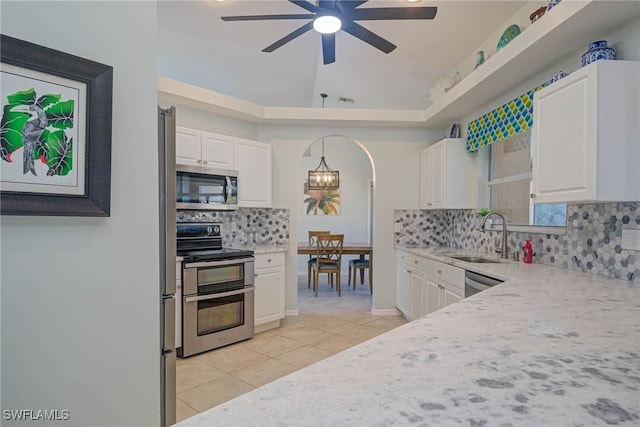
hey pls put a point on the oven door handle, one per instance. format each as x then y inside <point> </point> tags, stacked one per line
<point>220,294</point>
<point>217,263</point>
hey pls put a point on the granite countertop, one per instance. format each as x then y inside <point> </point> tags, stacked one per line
<point>548,347</point>
<point>263,249</point>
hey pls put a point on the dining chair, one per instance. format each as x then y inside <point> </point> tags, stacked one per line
<point>360,264</point>
<point>313,235</point>
<point>328,258</point>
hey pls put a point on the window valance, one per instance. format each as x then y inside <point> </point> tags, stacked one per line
<point>511,119</point>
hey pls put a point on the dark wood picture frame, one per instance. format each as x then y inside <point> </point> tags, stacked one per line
<point>98,78</point>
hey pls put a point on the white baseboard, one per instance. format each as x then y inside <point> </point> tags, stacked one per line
<point>385,312</point>
<point>291,312</point>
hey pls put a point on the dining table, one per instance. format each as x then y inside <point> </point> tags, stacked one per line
<point>348,248</point>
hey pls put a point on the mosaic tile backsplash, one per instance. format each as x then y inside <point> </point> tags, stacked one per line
<point>246,226</point>
<point>592,243</point>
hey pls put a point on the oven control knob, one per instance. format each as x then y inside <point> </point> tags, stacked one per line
<point>209,230</point>
<point>216,229</point>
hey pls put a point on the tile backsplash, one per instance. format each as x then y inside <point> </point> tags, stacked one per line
<point>245,226</point>
<point>592,242</point>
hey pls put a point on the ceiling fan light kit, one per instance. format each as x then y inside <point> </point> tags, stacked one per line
<point>327,24</point>
<point>340,15</point>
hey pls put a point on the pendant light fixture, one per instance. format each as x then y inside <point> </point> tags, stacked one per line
<point>323,177</point>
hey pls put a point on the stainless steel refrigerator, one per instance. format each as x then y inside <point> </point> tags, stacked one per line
<point>167,173</point>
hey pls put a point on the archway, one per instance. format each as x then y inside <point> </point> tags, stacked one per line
<point>351,213</point>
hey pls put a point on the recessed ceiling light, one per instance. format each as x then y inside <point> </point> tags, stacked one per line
<point>413,1</point>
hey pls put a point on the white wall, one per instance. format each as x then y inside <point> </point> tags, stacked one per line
<point>80,296</point>
<point>346,156</point>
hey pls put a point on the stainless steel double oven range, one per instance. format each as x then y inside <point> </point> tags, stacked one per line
<point>218,292</point>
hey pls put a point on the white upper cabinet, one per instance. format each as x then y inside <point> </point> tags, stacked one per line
<point>200,148</point>
<point>188,146</point>
<point>253,162</point>
<point>217,151</point>
<point>586,135</point>
<point>447,176</point>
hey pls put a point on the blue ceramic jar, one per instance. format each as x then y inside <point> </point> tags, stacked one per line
<point>598,50</point>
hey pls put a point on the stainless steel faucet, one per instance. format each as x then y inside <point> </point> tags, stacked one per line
<point>503,251</point>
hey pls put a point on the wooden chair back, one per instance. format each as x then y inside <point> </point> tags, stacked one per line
<point>329,249</point>
<point>313,236</point>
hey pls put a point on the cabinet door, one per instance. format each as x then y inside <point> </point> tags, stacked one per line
<point>563,129</point>
<point>450,296</point>
<point>432,296</point>
<point>217,151</point>
<point>269,295</point>
<point>253,162</point>
<point>402,289</point>
<point>426,187</point>
<point>188,146</point>
<point>438,166</point>
<point>416,294</point>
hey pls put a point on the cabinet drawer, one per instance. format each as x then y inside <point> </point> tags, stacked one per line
<point>269,260</point>
<point>426,265</point>
<point>450,274</point>
<point>403,257</point>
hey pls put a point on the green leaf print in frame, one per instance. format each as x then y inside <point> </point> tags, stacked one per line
<point>55,132</point>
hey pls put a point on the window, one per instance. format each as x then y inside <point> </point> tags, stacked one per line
<point>510,184</point>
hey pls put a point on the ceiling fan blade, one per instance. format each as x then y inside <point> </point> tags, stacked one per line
<point>327,4</point>
<point>305,5</point>
<point>367,36</point>
<point>389,13</point>
<point>329,48</point>
<point>268,17</point>
<point>286,39</point>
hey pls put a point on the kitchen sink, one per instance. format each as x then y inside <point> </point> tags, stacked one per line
<point>476,259</point>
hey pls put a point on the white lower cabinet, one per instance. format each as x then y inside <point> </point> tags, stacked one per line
<point>424,285</point>
<point>269,290</point>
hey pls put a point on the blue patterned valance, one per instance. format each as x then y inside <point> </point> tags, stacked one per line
<point>511,119</point>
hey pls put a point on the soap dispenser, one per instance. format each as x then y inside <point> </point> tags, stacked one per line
<point>527,257</point>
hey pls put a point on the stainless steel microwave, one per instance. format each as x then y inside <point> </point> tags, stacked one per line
<point>203,188</point>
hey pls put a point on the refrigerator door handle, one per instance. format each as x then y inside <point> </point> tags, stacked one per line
<point>169,333</point>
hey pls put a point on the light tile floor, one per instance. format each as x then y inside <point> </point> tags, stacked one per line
<point>325,325</point>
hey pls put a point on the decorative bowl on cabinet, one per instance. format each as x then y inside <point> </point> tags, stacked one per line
<point>509,34</point>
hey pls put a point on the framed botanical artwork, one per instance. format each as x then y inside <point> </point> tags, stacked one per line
<point>55,135</point>
<point>321,202</point>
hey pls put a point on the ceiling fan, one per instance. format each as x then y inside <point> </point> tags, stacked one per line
<point>330,16</point>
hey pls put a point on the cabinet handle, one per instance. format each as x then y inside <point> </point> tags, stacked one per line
<point>409,271</point>
<point>205,161</point>
<point>440,272</point>
<point>199,161</point>
<point>255,274</point>
<point>269,260</point>
<point>415,261</point>
<point>532,196</point>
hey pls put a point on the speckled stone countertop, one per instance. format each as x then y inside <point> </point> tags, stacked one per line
<point>264,249</point>
<point>548,347</point>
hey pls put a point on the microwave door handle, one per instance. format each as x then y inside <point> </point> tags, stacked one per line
<point>228,197</point>
<point>220,295</point>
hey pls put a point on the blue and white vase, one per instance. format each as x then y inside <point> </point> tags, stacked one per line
<point>598,50</point>
<point>558,76</point>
